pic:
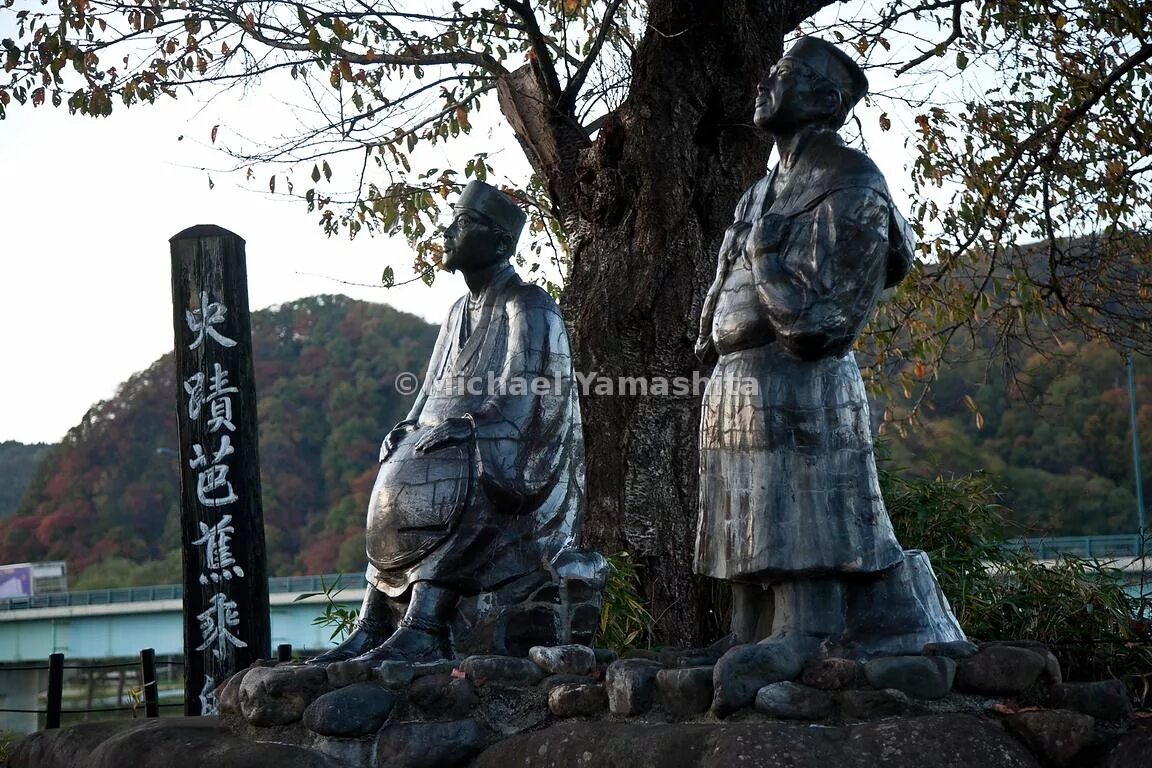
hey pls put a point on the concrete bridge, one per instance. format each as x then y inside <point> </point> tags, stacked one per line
<point>118,623</point>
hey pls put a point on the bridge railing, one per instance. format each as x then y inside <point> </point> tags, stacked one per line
<point>276,585</point>
<point>1108,546</point>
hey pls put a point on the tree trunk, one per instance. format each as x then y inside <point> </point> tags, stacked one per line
<point>655,193</point>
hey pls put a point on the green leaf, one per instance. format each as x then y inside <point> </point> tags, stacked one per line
<point>388,278</point>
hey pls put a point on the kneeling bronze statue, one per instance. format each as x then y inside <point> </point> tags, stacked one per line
<point>473,517</point>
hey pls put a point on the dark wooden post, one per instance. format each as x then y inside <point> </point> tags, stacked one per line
<point>226,623</point>
<point>55,689</point>
<point>284,652</point>
<point>148,682</point>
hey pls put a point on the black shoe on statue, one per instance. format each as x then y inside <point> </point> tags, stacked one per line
<point>410,644</point>
<point>366,636</point>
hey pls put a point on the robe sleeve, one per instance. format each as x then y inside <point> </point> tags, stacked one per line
<point>524,427</point>
<point>439,352</point>
<point>819,271</point>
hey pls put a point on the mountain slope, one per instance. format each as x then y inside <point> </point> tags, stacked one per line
<point>325,367</point>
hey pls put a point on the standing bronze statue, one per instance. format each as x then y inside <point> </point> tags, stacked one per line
<point>790,505</point>
<point>480,494</point>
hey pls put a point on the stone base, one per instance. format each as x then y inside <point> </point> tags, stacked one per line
<point>956,704</point>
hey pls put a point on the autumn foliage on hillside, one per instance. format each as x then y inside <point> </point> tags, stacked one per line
<point>107,499</point>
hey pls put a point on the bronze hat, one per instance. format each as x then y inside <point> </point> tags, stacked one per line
<point>494,205</point>
<point>833,65</point>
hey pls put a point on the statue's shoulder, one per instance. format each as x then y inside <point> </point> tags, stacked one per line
<point>839,166</point>
<point>522,297</point>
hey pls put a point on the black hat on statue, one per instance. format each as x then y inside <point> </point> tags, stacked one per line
<point>833,65</point>
<point>493,205</point>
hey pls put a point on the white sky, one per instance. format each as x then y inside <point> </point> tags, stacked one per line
<point>87,207</point>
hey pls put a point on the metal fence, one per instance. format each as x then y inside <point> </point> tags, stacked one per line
<point>1111,546</point>
<point>276,585</point>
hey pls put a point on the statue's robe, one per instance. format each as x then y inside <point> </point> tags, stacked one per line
<point>788,483</point>
<point>476,516</point>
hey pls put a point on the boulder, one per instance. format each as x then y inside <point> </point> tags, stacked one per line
<point>228,694</point>
<point>443,696</point>
<point>504,671</point>
<point>793,701</point>
<point>430,745</point>
<point>955,649</point>
<point>921,677</point>
<point>685,692</point>
<point>631,686</point>
<point>1131,750</point>
<point>550,682</point>
<point>279,695</point>
<point>832,674</point>
<point>1056,735</point>
<point>342,673</point>
<point>1052,672</point>
<point>1103,700</point>
<point>359,709</point>
<point>939,741</point>
<point>868,705</point>
<point>73,746</point>
<point>577,700</point>
<point>170,742</point>
<point>395,674</point>
<point>564,659</point>
<point>999,669</point>
<point>604,657</point>
<point>745,669</point>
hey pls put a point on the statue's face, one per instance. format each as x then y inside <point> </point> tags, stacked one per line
<point>470,242</point>
<point>791,95</point>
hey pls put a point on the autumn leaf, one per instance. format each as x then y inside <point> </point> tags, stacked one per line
<point>215,128</point>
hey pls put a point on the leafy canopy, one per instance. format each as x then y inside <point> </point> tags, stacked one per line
<point>1029,120</point>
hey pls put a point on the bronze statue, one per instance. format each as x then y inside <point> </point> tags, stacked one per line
<point>790,506</point>
<point>479,497</point>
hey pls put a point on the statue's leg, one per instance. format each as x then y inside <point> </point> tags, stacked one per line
<point>377,621</point>
<point>752,611</point>
<point>806,614</point>
<point>423,634</point>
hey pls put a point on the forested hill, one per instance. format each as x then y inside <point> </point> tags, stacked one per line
<point>1054,432</point>
<point>18,463</point>
<point>107,498</point>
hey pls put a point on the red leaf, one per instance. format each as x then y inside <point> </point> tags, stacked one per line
<point>214,129</point>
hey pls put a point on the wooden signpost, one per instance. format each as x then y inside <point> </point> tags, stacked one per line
<point>226,625</point>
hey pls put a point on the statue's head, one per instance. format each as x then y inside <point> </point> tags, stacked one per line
<point>814,83</point>
<point>485,229</point>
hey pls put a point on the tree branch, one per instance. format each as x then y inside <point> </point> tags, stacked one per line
<point>957,30</point>
<point>543,63</point>
<point>568,99</point>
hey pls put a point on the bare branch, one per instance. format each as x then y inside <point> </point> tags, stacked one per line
<point>568,100</point>
<point>543,59</point>
<point>957,30</point>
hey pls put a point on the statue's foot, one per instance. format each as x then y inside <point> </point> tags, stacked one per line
<point>365,636</point>
<point>409,644</point>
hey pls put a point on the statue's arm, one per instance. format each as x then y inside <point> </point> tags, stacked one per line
<point>819,272</point>
<point>412,420</point>
<point>731,248</point>
<point>522,434</point>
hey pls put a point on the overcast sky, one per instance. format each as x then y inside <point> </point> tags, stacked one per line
<point>87,207</point>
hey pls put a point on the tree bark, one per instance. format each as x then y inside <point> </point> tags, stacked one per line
<point>646,206</point>
<point>656,192</point>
